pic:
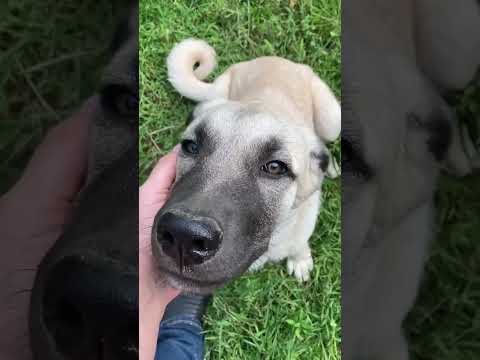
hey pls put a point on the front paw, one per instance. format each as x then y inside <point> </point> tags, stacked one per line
<point>300,267</point>
<point>258,264</point>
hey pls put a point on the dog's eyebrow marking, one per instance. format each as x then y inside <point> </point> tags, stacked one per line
<point>204,137</point>
<point>121,36</point>
<point>439,130</point>
<point>441,137</point>
<point>353,160</point>
<point>201,133</point>
<point>323,160</point>
<point>190,118</point>
<point>267,148</point>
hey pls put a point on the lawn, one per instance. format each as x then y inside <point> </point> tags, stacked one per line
<point>266,315</point>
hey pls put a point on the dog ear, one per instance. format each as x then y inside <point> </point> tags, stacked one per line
<point>327,114</point>
<point>447,40</point>
<point>318,165</point>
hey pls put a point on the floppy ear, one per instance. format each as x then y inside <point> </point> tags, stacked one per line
<point>327,115</point>
<point>310,181</point>
<point>448,41</point>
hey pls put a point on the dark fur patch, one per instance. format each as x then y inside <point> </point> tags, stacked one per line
<point>264,151</point>
<point>204,139</point>
<point>353,161</point>
<point>121,36</point>
<point>269,147</point>
<point>439,133</point>
<point>441,138</point>
<point>190,118</point>
<point>323,160</point>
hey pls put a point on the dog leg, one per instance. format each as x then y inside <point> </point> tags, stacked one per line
<point>333,170</point>
<point>258,264</point>
<point>300,265</point>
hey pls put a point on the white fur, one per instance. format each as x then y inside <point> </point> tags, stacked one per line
<point>327,110</point>
<point>181,73</point>
<point>290,240</point>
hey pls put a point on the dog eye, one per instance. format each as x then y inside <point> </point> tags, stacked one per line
<point>120,100</point>
<point>275,168</point>
<point>190,147</point>
<point>127,104</point>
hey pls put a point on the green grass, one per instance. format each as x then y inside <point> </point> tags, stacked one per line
<point>266,315</point>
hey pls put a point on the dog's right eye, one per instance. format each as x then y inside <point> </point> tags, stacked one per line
<point>190,147</point>
<point>275,168</point>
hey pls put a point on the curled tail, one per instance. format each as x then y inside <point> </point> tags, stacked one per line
<point>183,75</point>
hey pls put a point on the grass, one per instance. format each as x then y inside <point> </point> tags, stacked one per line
<point>51,53</point>
<point>266,315</point>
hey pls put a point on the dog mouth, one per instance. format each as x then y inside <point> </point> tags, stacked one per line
<point>183,282</point>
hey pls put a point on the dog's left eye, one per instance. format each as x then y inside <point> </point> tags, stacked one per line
<point>275,168</point>
<point>190,147</point>
<point>120,100</point>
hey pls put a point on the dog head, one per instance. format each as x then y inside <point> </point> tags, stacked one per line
<point>84,303</point>
<point>241,173</point>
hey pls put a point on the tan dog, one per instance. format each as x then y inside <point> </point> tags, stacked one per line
<point>250,170</point>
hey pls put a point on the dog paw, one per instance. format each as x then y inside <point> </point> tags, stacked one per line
<point>333,169</point>
<point>300,268</point>
<point>258,264</point>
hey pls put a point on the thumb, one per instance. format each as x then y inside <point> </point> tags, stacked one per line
<point>163,174</point>
<point>56,170</point>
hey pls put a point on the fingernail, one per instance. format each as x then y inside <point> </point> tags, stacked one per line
<point>176,149</point>
<point>89,104</point>
<point>85,111</point>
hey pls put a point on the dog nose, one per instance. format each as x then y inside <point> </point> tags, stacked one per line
<point>186,239</point>
<point>91,310</point>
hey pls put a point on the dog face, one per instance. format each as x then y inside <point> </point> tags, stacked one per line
<point>240,174</point>
<point>84,302</point>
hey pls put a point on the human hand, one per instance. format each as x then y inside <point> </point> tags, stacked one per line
<point>153,298</point>
<point>32,217</point>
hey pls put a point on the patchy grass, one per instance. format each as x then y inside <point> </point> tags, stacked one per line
<point>265,315</point>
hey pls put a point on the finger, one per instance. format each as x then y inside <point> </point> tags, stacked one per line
<point>57,169</point>
<point>168,294</point>
<point>163,174</point>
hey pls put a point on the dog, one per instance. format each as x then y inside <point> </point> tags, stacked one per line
<point>84,303</point>
<point>398,134</point>
<point>250,169</point>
